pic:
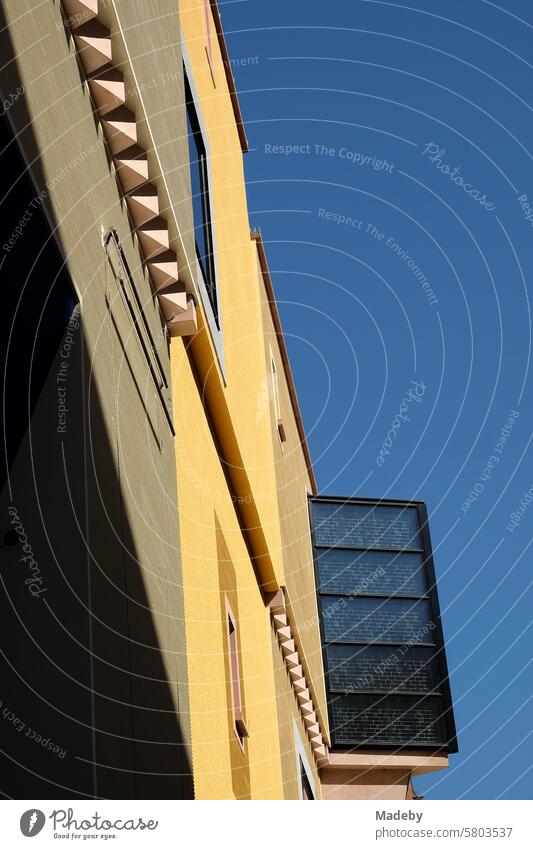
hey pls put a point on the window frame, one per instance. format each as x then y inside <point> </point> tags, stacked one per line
<point>141,330</point>
<point>237,707</point>
<point>303,767</point>
<point>196,140</point>
<point>305,784</point>
<point>214,324</point>
<point>422,544</point>
<point>276,398</point>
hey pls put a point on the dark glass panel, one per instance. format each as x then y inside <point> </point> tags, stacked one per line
<point>381,620</point>
<point>354,669</point>
<point>374,720</point>
<point>365,525</point>
<point>385,572</point>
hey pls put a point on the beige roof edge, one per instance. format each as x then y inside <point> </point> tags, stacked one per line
<point>229,76</point>
<point>256,236</point>
<point>416,761</point>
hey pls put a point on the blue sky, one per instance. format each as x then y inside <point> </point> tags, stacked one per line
<point>397,236</point>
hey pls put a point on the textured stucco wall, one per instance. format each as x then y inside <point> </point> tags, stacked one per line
<point>212,541</point>
<point>127,506</point>
<point>293,486</point>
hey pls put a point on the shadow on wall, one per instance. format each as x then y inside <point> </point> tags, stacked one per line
<point>88,695</point>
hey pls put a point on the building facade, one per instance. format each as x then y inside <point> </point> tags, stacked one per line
<point>93,666</point>
<point>257,700</point>
<point>167,573</point>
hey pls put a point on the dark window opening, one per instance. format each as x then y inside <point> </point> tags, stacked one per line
<point>238,712</point>
<point>201,206</point>
<point>307,792</point>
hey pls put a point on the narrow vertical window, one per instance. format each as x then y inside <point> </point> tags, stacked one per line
<point>201,203</point>
<point>307,792</point>
<point>275,397</point>
<point>306,785</point>
<point>235,675</point>
<point>208,45</point>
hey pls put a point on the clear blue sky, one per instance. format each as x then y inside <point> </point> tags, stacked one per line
<point>377,82</point>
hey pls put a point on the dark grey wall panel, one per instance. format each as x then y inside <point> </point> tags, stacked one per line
<point>97,663</point>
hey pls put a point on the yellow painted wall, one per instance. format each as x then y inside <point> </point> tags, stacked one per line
<point>215,555</point>
<point>289,716</point>
<point>237,280</point>
<point>293,485</point>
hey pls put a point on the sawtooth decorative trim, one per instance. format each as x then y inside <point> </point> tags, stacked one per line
<point>302,693</point>
<point>119,125</point>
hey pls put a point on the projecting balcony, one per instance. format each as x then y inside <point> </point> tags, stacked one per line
<point>386,674</point>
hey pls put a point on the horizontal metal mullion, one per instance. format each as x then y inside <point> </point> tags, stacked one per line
<point>374,595</point>
<point>395,692</point>
<point>385,549</point>
<point>372,743</point>
<point>371,502</point>
<point>378,643</point>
